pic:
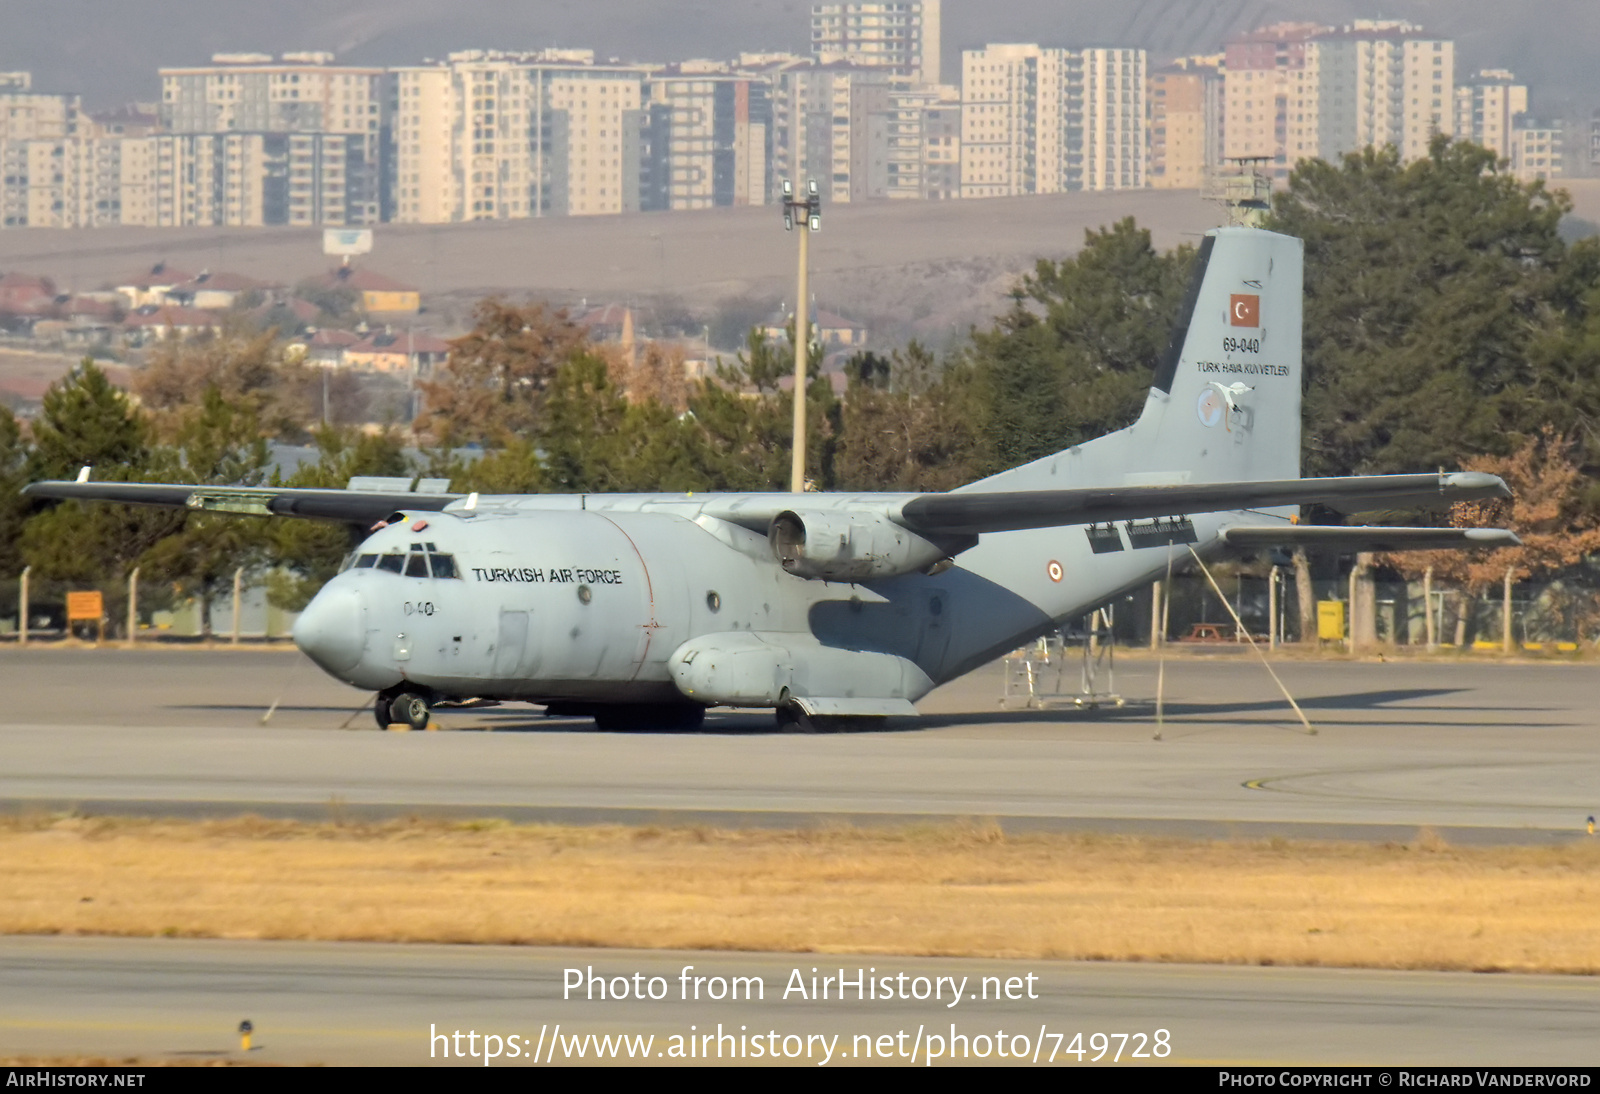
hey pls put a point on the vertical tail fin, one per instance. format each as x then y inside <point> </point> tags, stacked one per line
<point>1225,403</point>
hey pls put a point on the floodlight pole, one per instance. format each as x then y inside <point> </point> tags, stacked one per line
<point>810,212</point>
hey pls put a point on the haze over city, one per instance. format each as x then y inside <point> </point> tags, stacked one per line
<point>109,52</point>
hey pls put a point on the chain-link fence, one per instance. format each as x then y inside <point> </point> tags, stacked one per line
<point>1545,615</point>
<point>162,613</point>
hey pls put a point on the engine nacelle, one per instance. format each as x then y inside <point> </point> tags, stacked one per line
<point>828,546</point>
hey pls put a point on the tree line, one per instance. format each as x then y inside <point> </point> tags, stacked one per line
<point>1447,323</point>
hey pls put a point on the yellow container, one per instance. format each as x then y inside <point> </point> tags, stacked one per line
<point>1330,620</point>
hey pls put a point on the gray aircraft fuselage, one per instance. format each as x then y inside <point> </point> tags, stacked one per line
<point>580,603</point>
<point>686,599</point>
<point>645,609</point>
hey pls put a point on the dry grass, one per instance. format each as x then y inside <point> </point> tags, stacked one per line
<point>118,1062</point>
<point>968,890</point>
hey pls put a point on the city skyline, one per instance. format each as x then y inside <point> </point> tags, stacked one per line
<point>109,54</point>
<point>308,138</point>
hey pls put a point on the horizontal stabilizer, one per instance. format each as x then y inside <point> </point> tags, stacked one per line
<point>349,506</point>
<point>972,512</point>
<point>1366,538</point>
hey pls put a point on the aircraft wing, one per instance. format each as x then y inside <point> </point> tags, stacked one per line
<point>349,506</point>
<point>974,512</point>
<point>1346,539</point>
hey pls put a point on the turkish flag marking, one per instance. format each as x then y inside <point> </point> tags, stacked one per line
<point>1244,311</point>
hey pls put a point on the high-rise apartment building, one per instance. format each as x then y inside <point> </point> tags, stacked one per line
<point>1380,83</point>
<point>1299,91</point>
<point>1010,120</point>
<point>1105,116</point>
<point>253,93</point>
<point>48,177</point>
<point>1039,120</point>
<point>489,136</point>
<point>705,138</point>
<point>321,129</point>
<point>912,146</point>
<point>941,147</point>
<point>1269,107</point>
<point>1538,151</point>
<point>1487,107</point>
<point>26,114</point>
<point>820,128</point>
<point>901,37</point>
<point>1184,107</point>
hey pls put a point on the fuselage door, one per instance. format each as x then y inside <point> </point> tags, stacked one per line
<point>510,646</point>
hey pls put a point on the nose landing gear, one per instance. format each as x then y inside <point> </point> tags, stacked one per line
<point>402,706</point>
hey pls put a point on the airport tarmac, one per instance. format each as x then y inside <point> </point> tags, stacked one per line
<point>1482,751</point>
<point>360,1003</point>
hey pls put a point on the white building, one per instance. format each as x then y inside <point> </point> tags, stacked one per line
<point>902,37</point>
<point>705,138</point>
<point>820,124</point>
<point>1269,97</point>
<point>1379,83</point>
<point>1487,107</point>
<point>1183,103</point>
<point>488,136</point>
<point>1538,151</point>
<point>26,114</point>
<point>73,183</point>
<point>1039,120</point>
<point>321,127</point>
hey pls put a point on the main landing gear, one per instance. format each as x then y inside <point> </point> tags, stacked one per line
<point>402,706</point>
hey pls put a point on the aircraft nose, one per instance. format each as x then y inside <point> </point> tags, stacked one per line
<point>332,631</point>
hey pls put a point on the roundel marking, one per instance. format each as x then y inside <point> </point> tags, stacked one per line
<point>1209,407</point>
<point>1054,570</point>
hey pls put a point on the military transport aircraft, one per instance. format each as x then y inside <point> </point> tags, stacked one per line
<point>645,609</point>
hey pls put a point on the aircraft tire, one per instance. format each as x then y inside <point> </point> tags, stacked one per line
<point>410,708</point>
<point>381,708</point>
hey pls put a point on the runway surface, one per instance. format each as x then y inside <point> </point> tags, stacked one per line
<point>357,1003</point>
<point>1485,752</point>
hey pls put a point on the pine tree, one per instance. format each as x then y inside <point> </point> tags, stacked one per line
<point>84,420</point>
<point>1076,352</point>
<point>1426,287</point>
<point>304,554</point>
<point>14,463</point>
<point>218,442</point>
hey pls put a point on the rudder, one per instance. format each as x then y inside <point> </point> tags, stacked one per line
<point>1225,402</point>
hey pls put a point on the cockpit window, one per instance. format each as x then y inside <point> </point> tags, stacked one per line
<point>421,559</point>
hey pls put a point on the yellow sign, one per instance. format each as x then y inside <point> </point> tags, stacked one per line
<point>1330,619</point>
<point>85,606</point>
